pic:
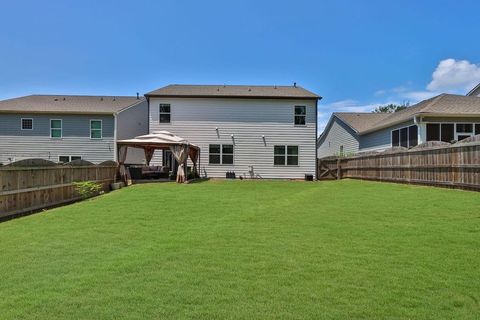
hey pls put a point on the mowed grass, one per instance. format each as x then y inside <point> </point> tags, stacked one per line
<point>247,250</point>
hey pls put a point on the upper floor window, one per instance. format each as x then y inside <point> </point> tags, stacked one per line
<point>165,114</point>
<point>95,129</point>
<point>285,155</point>
<point>220,154</point>
<point>27,124</point>
<point>300,115</point>
<point>405,137</point>
<point>55,128</point>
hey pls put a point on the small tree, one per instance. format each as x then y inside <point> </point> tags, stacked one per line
<point>391,108</point>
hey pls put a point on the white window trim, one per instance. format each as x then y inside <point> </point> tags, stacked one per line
<point>286,155</point>
<point>408,136</point>
<point>21,124</point>
<point>160,113</point>
<point>221,154</point>
<point>300,115</point>
<point>61,128</point>
<point>101,129</point>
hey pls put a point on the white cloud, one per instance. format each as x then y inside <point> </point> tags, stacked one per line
<point>454,76</point>
<point>417,96</point>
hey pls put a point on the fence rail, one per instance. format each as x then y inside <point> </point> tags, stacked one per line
<point>24,189</point>
<point>456,166</point>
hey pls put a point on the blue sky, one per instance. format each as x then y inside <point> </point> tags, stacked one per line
<point>356,54</point>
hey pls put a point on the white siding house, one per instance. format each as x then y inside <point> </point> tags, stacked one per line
<point>240,128</point>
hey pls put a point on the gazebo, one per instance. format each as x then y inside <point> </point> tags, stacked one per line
<point>163,140</point>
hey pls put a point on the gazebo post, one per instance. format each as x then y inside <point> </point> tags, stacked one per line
<point>185,168</point>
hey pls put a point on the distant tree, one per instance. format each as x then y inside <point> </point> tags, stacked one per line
<point>391,108</point>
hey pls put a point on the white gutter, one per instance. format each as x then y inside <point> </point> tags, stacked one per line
<point>115,128</point>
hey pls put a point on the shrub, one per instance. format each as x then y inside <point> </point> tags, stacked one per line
<point>87,189</point>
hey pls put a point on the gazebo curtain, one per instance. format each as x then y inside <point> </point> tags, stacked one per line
<point>122,157</point>
<point>180,152</point>
<point>149,154</point>
<point>193,152</point>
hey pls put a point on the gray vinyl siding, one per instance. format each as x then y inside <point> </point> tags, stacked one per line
<point>380,139</point>
<point>133,122</point>
<point>247,120</point>
<point>17,144</point>
<point>337,134</point>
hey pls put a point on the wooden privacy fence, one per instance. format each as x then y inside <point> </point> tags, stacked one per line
<point>451,165</point>
<point>29,188</point>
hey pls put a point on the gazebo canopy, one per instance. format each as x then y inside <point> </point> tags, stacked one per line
<point>158,140</point>
<point>179,147</point>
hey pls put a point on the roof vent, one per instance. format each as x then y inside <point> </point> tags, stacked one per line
<point>113,98</point>
<point>64,99</point>
<point>138,97</point>
<point>101,98</point>
<point>294,84</point>
<point>249,89</point>
<point>275,87</point>
<point>56,99</point>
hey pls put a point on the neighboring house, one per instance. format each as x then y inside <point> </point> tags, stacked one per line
<point>254,131</point>
<point>62,128</point>
<point>475,92</point>
<point>445,117</point>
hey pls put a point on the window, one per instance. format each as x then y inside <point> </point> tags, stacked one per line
<point>395,138</point>
<point>95,129</point>
<point>464,128</point>
<point>55,128</point>
<point>300,115</point>
<point>447,132</point>
<point>405,137</point>
<point>65,159</point>
<point>165,114</point>
<point>463,131</point>
<point>285,155</point>
<point>27,124</point>
<point>220,154</point>
<point>412,136</point>
<point>341,151</point>
<point>433,132</point>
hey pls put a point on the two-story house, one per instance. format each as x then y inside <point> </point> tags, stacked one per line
<point>62,128</point>
<point>254,131</point>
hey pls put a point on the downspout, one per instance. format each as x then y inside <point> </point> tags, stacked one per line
<point>115,128</point>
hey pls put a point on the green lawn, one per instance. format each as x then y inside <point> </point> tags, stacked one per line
<point>247,250</point>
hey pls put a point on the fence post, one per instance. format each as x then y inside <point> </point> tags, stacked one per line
<point>338,169</point>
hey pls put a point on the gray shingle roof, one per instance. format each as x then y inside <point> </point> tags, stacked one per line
<point>68,104</point>
<point>360,121</point>
<point>444,105</point>
<point>234,91</point>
